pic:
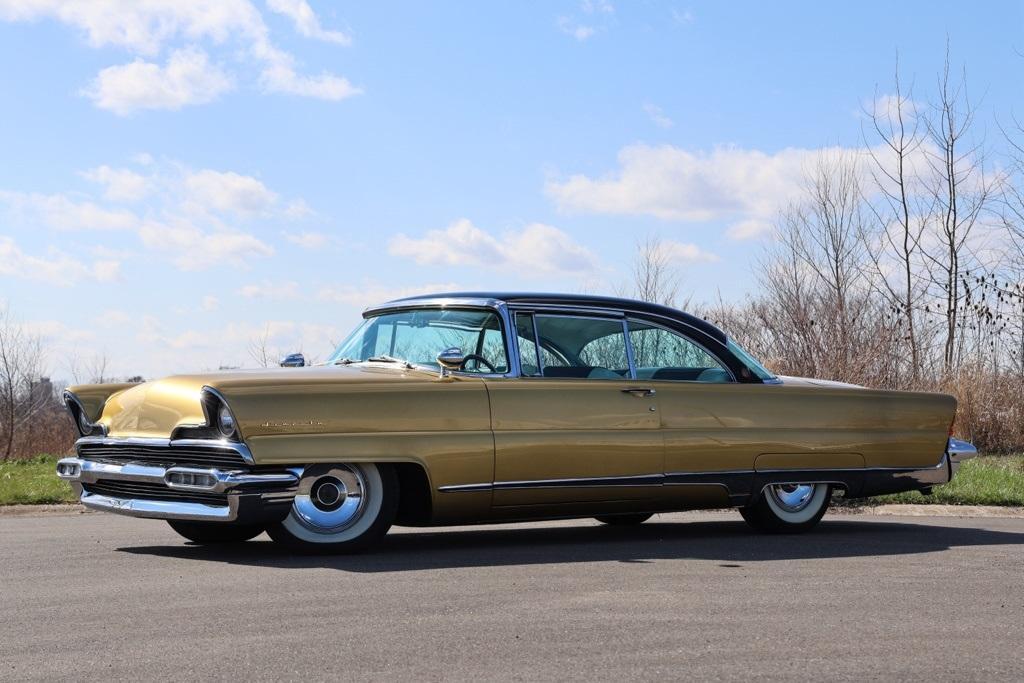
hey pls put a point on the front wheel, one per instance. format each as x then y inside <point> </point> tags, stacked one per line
<point>788,508</point>
<point>339,508</point>
<point>206,533</point>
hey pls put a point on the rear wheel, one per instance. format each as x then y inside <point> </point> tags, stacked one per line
<point>624,520</point>
<point>216,532</point>
<point>339,508</point>
<point>788,508</point>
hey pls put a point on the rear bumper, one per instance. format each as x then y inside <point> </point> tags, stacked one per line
<point>184,493</point>
<point>959,451</point>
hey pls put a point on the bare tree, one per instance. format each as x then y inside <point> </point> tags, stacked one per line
<point>21,398</point>
<point>259,351</point>
<point>654,278</point>
<point>961,192</point>
<point>896,237</point>
<point>823,252</point>
<point>91,369</point>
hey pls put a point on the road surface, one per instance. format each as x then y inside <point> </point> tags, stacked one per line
<point>690,596</point>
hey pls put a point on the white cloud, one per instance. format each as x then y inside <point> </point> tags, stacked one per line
<point>276,291</point>
<point>145,28</point>
<point>307,240</point>
<point>306,22</point>
<point>658,116</point>
<point>61,212</point>
<point>536,247</point>
<point>743,187</point>
<point>598,13</point>
<point>580,32</point>
<point>188,78</point>
<point>192,248</point>
<point>685,252</point>
<point>142,27</point>
<point>888,108</point>
<point>597,7</point>
<point>198,218</point>
<point>282,78</point>
<point>229,191</point>
<point>55,269</point>
<point>682,17</point>
<point>121,184</point>
<point>369,294</point>
<point>209,303</point>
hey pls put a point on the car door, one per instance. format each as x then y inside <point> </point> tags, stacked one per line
<point>576,427</point>
<point>701,413</point>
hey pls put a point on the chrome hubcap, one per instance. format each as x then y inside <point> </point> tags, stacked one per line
<point>791,497</point>
<point>330,498</point>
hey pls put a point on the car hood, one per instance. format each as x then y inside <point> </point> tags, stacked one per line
<point>156,408</point>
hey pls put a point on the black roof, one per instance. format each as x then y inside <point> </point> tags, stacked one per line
<point>581,300</point>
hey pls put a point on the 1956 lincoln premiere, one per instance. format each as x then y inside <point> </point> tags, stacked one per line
<point>486,407</point>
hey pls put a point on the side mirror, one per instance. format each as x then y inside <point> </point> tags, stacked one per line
<point>450,359</point>
<point>293,360</point>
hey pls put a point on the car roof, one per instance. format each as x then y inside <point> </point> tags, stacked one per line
<point>574,300</point>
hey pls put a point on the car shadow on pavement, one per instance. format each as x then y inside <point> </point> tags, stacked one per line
<point>723,541</point>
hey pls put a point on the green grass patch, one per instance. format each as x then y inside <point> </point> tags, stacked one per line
<point>992,480</point>
<point>31,482</point>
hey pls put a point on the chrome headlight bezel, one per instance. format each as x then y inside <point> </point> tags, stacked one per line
<point>220,419</point>
<point>84,425</point>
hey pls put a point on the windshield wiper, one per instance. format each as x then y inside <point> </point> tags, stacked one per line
<point>343,361</point>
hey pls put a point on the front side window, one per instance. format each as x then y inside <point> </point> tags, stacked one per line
<point>663,354</point>
<point>419,335</point>
<point>573,347</point>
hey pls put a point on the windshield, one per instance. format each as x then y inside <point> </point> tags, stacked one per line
<point>419,335</point>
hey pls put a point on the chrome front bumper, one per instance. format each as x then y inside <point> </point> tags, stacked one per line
<point>247,496</point>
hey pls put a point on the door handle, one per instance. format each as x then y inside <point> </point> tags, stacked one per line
<point>640,393</point>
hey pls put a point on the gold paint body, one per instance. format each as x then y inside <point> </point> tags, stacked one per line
<point>471,430</point>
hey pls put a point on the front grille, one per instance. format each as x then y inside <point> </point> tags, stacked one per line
<point>204,456</point>
<point>147,491</point>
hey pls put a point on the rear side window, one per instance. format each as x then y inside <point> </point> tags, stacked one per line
<point>666,355</point>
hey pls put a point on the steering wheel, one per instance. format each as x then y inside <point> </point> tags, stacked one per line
<point>479,359</point>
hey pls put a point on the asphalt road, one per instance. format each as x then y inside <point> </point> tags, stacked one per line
<point>686,595</point>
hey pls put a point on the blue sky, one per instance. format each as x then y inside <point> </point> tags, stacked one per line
<point>177,180</point>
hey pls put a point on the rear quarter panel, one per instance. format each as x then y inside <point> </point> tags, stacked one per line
<point>801,425</point>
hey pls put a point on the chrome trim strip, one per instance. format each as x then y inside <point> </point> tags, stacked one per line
<point>438,302</point>
<point>630,357</point>
<point>162,509</point>
<point>91,471</point>
<point>929,474</point>
<point>157,442</point>
<point>579,482</point>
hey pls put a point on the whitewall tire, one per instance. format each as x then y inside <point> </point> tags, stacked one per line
<point>788,508</point>
<point>339,508</point>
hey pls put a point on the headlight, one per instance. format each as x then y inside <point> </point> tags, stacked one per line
<point>225,421</point>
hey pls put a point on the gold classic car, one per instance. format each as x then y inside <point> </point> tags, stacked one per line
<point>487,407</point>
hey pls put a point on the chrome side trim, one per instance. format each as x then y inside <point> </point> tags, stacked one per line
<point>579,482</point>
<point>935,474</point>
<point>238,447</point>
<point>90,471</point>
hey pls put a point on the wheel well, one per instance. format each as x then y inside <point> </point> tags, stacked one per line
<point>414,500</point>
